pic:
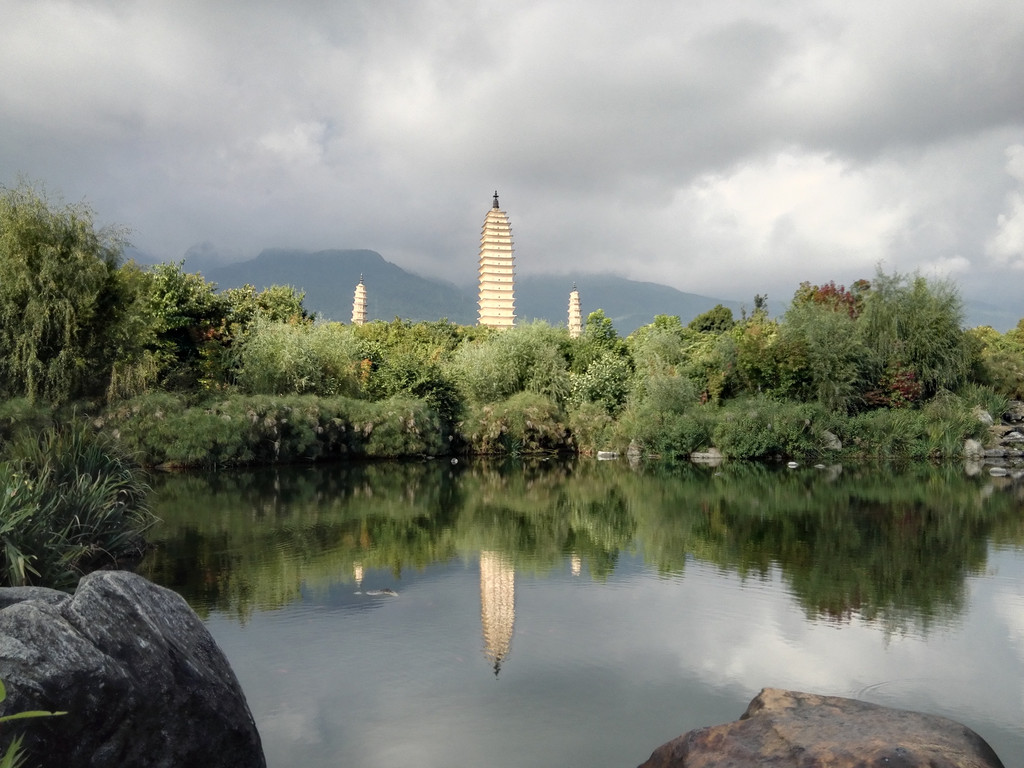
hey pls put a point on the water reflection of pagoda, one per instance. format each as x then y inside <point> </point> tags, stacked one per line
<point>497,606</point>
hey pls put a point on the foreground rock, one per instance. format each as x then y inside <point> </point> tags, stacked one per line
<point>786,728</point>
<point>141,679</point>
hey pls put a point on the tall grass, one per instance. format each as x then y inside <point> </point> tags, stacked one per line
<point>70,502</point>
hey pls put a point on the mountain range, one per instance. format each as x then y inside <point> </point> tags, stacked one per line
<point>329,279</point>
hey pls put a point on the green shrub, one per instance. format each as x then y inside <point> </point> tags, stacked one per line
<point>399,426</point>
<point>294,358</point>
<point>240,429</point>
<point>985,398</point>
<point>824,356</point>
<point>910,324</point>
<point>20,415</point>
<point>664,417</point>
<point>949,421</point>
<point>527,358</point>
<point>606,382</point>
<point>759,427</point>
<point>668,433</point>
<point>70,502</point>
<point>593,429</point>
<point>525,423</point>
<point>886,433</point>
<point>1000,359</point>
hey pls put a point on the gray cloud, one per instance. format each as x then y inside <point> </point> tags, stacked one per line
<point>723,148</point>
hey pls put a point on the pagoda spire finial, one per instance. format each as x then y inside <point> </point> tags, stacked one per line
<point>495,199</point>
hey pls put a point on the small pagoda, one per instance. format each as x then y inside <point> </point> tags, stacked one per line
<point>497,271</point>
<point>359,304</point>
<point>575,315</point>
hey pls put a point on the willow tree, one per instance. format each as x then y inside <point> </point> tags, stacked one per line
<point>59,297</point>
<point>912,331</point>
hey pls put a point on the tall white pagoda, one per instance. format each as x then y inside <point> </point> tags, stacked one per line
<point>359,304</point>
<point>575,315</point>
<point>497,271</point>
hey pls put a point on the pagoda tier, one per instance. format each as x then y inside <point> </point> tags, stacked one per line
<point>497,271</point>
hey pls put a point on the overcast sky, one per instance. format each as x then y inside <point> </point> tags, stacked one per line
<point>723,147</point>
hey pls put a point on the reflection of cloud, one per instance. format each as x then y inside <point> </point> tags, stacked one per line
<point>742,636</point>
<point>380,686</point>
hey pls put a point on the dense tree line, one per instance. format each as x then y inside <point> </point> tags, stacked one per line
<point>884,365</point>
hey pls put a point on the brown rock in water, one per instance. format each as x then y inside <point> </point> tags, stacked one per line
<point>792,729</point>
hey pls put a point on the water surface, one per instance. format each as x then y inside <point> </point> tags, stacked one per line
<point>582,613</point>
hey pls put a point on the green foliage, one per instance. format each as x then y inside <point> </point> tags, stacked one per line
<point>399,426</point>
<point>69,502</point>
<point>718,319</point>
<point>662,416</point>
<point>981,398</point>
<point>713,365</point>
<point>59,298</point>
<point>186,314</point>
<point>525,423</point>
<point>823,355</point>
<point>937,430</point>
<point>20,416</point>
<point>162,430</point>
<point>606,382</point>
<point>412,360</point>
<point>527,358</point>
<point>835,298</point>
<point>599,338</point>
<point>276,304</point>
<point>914,325</point>
<point>593,429</point>
<point>661,347</point>
<point>136,364</point>
<point>760,427</point>
<point>13,757</point>
<point>1000,359</point>
<point>281,358</point>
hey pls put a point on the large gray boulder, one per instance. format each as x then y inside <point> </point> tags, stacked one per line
<point>142,680</point>
<point>791,729</point>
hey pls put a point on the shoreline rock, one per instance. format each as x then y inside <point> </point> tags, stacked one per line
<point>141,678</point>
<point>785,729</point>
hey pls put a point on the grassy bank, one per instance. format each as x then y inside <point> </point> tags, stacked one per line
<point>170,430</point>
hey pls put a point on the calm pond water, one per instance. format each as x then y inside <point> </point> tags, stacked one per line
<point>581,613</point>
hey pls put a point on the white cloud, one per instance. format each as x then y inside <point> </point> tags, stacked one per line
<point>725,148</point>
<point>1006,246</point>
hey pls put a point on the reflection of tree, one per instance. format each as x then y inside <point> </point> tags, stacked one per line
<point>239,541</point>
<point>887,546</point>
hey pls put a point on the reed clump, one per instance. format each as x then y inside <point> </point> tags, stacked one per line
<point>70,502</point>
